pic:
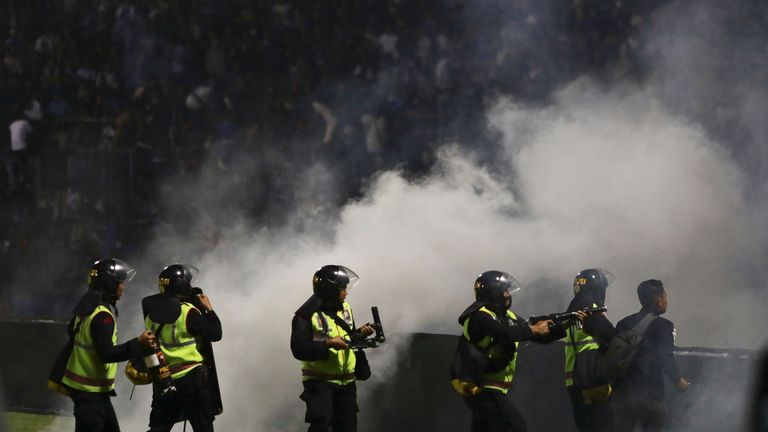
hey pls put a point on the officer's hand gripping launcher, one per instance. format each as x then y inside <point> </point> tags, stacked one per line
<point>359,341</point>
<point>562,317</point>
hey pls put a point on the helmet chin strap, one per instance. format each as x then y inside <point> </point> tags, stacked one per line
<point>501,313</point>
<point>111,298</point>
<point>500,309</point>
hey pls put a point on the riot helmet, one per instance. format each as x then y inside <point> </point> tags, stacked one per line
<point>491,286</point>
<point>592,283</point>
<point>176,279</point>
<point>329,280</point>
<point>107,274</point>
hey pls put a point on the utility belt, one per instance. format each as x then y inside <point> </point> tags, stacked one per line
<point>327,377</point>
<point>183,367</point>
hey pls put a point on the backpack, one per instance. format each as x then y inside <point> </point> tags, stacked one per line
<point>590,375</point>
<point>623,347</point>
<point>469,365</point>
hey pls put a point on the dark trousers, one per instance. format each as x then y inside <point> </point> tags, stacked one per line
<point>493,411</point>
<point>330,407</point>
<point>95,414</point>
<point>591,418</point>
<point>631,410</point>
<point>16,167</point>
<point>191,401</point>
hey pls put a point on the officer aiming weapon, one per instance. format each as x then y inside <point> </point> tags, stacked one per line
<point>562,317</point>
<point>358,341</point>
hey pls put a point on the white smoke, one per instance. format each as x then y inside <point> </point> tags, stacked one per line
<point>606,179</point>
<point>600,178</point>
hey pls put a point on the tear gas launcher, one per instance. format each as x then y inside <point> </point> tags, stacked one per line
<point>562,317</point>
<point>360,341</point>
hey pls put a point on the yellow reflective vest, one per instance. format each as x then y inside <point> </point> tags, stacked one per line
<point>575,335</point>
<point>339,367</point>
<point>178,345</point>
<point>85,371</point>
<point>500,380</point>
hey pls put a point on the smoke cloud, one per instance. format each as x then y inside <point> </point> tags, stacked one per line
<point>599,178</point>
<point>628,177</point>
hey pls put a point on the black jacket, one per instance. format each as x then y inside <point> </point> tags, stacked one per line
<point>304,347</point>
<point>654,358</point>
<point>102,327</point>
<point>481,325</point>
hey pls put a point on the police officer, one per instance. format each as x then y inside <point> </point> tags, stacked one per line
<point>320,331</point>
<point>490,325</point>
<point>591,405</point>
<point>85,371</point>
<point>181,321</point>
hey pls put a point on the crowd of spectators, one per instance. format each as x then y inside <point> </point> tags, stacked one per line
<point>102,99</point>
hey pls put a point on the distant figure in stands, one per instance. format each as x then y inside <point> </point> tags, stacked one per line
<point>85,370</point>
<point>495,332</point>
<point>17,159</point>
<point>639,393</point>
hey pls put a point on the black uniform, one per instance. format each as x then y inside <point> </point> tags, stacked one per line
<point>639,394</point>
<point>93,410</point>
<point>329,406</point>
<point>493,410</point>
<point>192,400</point>
<point>595,417</point>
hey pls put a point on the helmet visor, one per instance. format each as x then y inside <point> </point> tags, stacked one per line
<point>609,277</point>
<point>353,277</point>
<point>194,273</point>
<point>510,283</point>
<point>124,270</point>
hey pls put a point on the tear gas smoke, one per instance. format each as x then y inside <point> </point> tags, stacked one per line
<point>616,177</point>
<point>597,179</point>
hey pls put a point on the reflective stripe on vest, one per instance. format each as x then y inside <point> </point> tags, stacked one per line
<point>85,371</point>
<point>583,342</point>
<point>339,367</point>
<point>178,345</point>
<point>500,380</point>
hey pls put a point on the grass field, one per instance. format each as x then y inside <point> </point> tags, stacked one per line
<point>23,422</point>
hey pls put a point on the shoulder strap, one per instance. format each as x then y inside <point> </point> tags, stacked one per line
<point>572,333</point>
<point>77,328</point>
<point>341,323</point>
<point>323,322</point>
<point>640,327</point>
<point>157,333</point>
